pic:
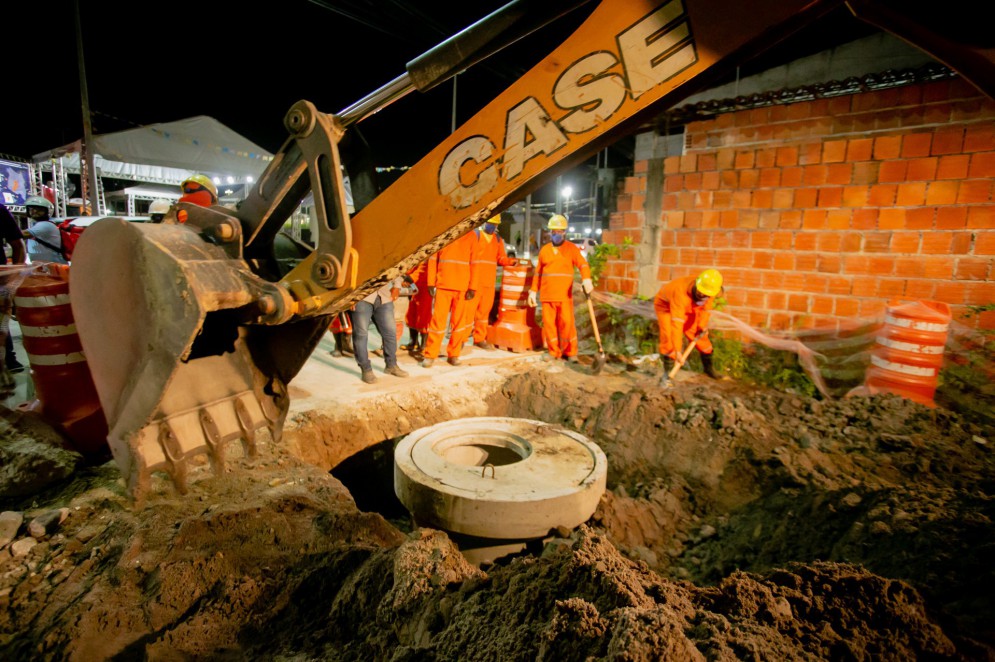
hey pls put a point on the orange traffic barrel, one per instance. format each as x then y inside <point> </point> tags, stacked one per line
<point>908,352</point>
<point>66,396</point>
<point>516,329</point>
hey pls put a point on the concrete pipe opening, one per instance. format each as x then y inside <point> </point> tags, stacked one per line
<point>499,478</point>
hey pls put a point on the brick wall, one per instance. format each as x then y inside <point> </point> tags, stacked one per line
<point>822,210</point>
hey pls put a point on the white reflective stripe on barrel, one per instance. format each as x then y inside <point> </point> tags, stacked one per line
<point>913,324</point>
<point>514,303</point>
<point>902,368</point>
<point>42,302</point>
<point>52,331</point>
<point>916,348</point>
<point>56,359</point>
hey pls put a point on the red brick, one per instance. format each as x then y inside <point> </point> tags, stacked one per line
<point>866,172</point>
<point>948,141</point>
<point>725,159</point>
<point>689,163</point>
<point>791,176</point>
<point>776,300</point>
<point>953,167</point>
<point>951,218</point>
<point>805,241</point>
<point>810,153</point>
<point>846,307</point>
<point>864,218</point>
<point>770,177</point>
<point>904,242</point>
<point>760,239</point>
<point>806,197</point>
<point>815,175</point>
<point>798,302</point>
<point>790,220</point>
<point>982,165</point>
<point>882,265</point>
<point>890,287</point>
<point>974,191</point>
<point>887,147</point>
<point>822,305</point>
<point>877,242</point>
<point>872,308</point>
<point>979,138</point>
<point>911,195</point>
<point>935,243</point>
<point>749,178</point>
<point>972,268</point>
<point>831,197</point>
<point>984,243</point>
<point>852,242</point>
<point>891,218</point>
<point>893,171</point>
<point>980,293</point>
<point>856,264</point>
<point>813,219</point>
<point>950,292</point>
<point>859,149</point>
<point>707,162</point>
<point>839,219</point>
<point>916,145</point>
<point>763,260</point>
<point>841,173</point>
<point>834,151</point>
<point>922,170</point>
<point>784,262</point>
<point>741,198</point>
<point>882,195</point>
<point>766,157</point>
<point>703,239</point>
<point>783,199</point>
<point>829,241</point>
<point>781,240</point>
<point>839,285</point>
<point>920,289</point>
<point>806,261</point>
<point>829,264</point>
<point>961,243</point>
<point>787,156</point>
<point>920,218</point>
<point>745,159</point>
<point>981,217</point>
<point>942,193</point>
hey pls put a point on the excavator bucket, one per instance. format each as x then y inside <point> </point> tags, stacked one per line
<point>174,370</point>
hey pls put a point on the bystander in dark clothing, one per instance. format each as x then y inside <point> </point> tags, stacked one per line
<point>10,234</point>
<point>378,307</point>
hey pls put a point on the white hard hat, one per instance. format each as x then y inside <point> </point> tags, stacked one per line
<point>159,206</point>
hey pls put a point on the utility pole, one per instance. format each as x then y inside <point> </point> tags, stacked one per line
<point>88,161</point>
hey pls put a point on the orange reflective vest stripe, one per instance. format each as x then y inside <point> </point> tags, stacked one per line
<point>555,271</point>
<point>452,267</point>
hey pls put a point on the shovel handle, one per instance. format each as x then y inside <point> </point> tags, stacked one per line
<point>594,324</point>
<point>684,358</point>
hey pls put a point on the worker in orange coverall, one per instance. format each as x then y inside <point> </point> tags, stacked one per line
<point>451,278</point>
<point>419,310</point>
<point>683,307</point>
<point>554,282</point>
<point>490,253</point>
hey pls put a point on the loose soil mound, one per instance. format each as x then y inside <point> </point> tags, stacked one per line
<point>739,524</point>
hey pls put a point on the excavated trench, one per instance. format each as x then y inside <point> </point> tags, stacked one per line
<point>738,523</point>
<point>715,478</point>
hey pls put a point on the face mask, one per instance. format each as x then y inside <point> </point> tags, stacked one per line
<point>557,238</point>
<point>700,302</point>
<point>489,228</point>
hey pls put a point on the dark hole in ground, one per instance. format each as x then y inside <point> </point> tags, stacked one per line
<point>369,477</point>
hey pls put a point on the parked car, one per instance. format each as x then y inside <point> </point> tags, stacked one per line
<point>586,245</point>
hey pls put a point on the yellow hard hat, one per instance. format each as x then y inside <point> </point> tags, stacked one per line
<point>202,180</point>
<point>494,220</point>
<point>709,282</point>
<point>557,222</point>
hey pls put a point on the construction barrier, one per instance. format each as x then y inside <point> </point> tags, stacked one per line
<point>66,396</point>
<point>908,352</point>
<point>516,329</point>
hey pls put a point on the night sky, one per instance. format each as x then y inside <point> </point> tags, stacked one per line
<point>244,67</point>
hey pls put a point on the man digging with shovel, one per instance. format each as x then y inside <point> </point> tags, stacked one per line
<point>682,309</point>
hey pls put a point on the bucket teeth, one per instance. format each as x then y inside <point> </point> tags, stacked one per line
<point>169,443</point>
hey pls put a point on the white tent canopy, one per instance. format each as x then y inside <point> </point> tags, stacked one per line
<point>169,152</point>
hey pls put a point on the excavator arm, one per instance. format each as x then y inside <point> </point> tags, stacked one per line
<point>193,332</point>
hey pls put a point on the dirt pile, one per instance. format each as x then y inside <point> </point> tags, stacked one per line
<point>740,524</point>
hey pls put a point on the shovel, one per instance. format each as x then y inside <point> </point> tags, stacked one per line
<point>599,360</point>
<point>668,380</point>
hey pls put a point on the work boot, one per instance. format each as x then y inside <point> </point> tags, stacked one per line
<point>412,345</point>
<point>572,359</point>
<point>549,357</point>
<point>396,371</point>
<point>668,365</point>
<point>346,345</point>
<point>426,362</point>
<point>453,360</point>
<point>483,344</point>
<point>369,377</point>
<point>706,364</point>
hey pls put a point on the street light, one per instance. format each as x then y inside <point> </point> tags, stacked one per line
<point>566,192</point>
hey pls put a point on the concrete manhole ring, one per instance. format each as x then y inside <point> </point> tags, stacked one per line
<point>494,477</point>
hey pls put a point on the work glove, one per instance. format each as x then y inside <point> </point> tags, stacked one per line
<point>412,289</point>
<point>470,294</point>
<point>431,291</point>
<point>532,299</point>
<point>587,285</point>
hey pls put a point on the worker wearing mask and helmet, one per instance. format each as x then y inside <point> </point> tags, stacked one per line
<point>683,307</point>
<point>553,283</point>
<point>199,190</point>
<point>489,254</point>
